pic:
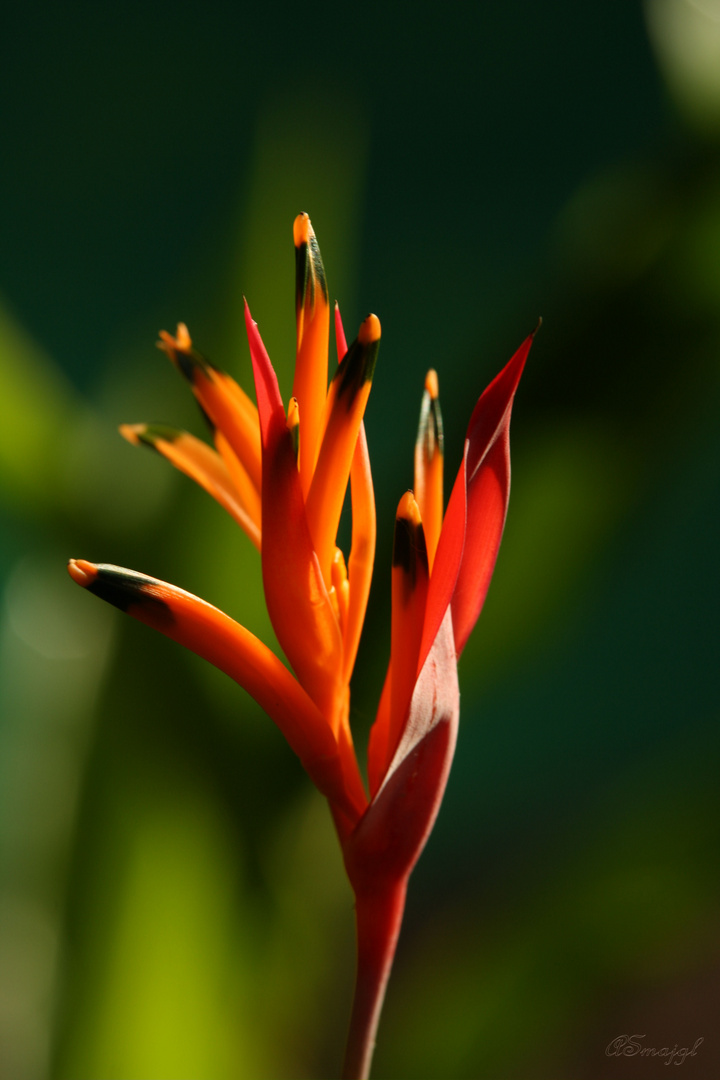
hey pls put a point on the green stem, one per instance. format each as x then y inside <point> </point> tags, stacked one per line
<point>379,916</point>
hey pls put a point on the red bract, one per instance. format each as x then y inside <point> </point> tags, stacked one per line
<point>283,474</point>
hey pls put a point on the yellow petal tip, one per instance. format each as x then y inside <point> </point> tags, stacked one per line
<point>182,340</point>
<point>431,384</point>
<point>369,330</point>
<point>82,572</point>
<point>132,432</point>
<point>302,229</point>
<point>409,509</point>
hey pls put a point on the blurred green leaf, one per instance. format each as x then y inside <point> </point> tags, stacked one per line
<point>37,406</point>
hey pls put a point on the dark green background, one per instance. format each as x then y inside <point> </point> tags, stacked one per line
<point>174,896</point>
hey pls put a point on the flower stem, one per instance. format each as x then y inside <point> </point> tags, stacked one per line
<point>378,916</point>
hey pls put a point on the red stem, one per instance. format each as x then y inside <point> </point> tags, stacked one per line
<point>378,916</point>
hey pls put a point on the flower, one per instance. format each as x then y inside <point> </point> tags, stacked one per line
<point>283,475</point>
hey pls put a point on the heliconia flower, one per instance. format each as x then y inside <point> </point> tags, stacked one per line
<point>283,475</point>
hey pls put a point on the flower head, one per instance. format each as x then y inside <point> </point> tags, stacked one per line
<point>282,473</point>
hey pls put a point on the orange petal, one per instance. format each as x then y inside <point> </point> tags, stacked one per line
<point>293,423</point>
<point>362,550</point>
<point>340,585</point>
<point>429,465</point>
<point>225,404</point>
<point>247,492</point>
<point>313,330</point>
<point>409,597</point>
<point>364,531</point>
<point>297,598</point>
<point>199,461</point>
<point>344,411</point>
<point>229,646</point>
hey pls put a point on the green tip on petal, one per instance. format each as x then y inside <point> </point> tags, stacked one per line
<point>180,350</point>
<point>124,589</point>
<point>358,364</point>
<point>409,549</point>
<point>430,437</point>
<point>149,434</point>
<point>309,268</point>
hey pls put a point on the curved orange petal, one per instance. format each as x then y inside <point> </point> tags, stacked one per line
<point>225,404</point>
<point>409,597</point>
<point>429,451</point>
<point>298,603</point>
<point>229,646</point>
<point>313,330</point>
<point>346,401</point>
<point>448,558</point>
<point>200,462</point>
<point>248,494</point>
<point>364,530</point>
<point>362,550</point>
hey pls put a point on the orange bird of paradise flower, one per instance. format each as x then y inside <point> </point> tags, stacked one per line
<point>283,475</point>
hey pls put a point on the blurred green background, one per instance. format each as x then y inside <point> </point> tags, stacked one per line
<point>172,900</point>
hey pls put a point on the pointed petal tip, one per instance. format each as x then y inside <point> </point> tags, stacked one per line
<point>180,351</point>
<point>369,331</point>
<point>539,324</point>
<point>340,339</point>
<point>151,434</point>
<point>293,423</point>
<point>408,509</point>
<point>82,572</point>
<point>431,384</point>
<point>302,229</point>
<point>132,432</point>
<point>409,547</point>
<point>182,339</point>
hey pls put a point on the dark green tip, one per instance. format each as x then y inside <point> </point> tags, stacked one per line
<point>188,361</point>
<point>309,273</point>
<point>153,432</point>
<point>126,588</point>
<point>430,437</point>
<point>356,369</point>
<point>409,549</point>
<point>437,422</point>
